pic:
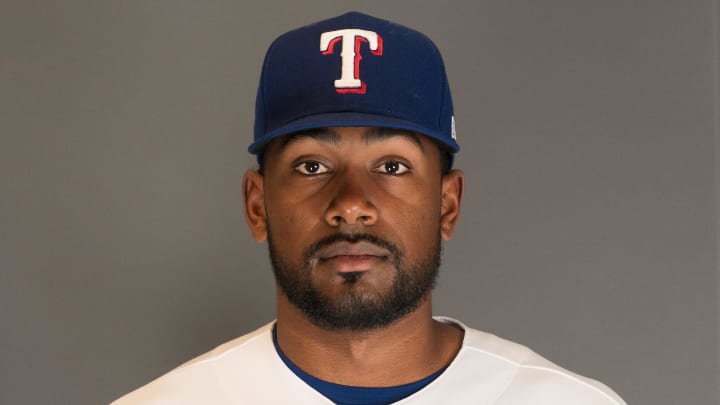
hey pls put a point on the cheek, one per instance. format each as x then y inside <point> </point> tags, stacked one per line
<point>416,224</point>
<point>292,224</point>
<point>284,235</point>
<point>283,222</point>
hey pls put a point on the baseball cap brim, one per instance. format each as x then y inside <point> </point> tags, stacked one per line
<point>351,119</point>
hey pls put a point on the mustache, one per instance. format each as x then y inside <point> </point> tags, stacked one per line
<point>312,250</point>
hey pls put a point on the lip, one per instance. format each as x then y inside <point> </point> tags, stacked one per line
<point>349,257</point>
<point>351,264</point>
<point>350,250</point>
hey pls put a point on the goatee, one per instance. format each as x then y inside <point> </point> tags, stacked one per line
<point>354,310</point>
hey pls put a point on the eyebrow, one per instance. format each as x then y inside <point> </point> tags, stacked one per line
<point>320,134</point>
<point>376,134</point>
<point>373,135</point>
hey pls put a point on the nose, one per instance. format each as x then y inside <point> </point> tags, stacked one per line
<point>351,203</point>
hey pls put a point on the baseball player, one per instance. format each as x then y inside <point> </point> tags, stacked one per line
<point>354,194</point>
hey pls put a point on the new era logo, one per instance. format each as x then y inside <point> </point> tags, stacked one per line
<point>351,41</point>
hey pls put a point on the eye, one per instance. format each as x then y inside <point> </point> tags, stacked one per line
<point>311,167</point>
<point>393,167</point>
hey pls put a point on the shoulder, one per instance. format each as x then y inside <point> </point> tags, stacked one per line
<point>201,380</point>
<point>518,375</point>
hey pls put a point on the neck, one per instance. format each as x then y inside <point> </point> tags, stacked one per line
<point>405,351</point>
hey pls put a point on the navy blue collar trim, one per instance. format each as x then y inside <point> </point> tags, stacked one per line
<point>350,395</point>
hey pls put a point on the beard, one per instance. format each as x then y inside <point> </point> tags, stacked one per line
<point>352,309</point>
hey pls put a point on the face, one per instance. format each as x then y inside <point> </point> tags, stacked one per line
<point>353,217</point>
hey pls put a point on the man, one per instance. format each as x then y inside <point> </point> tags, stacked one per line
<point>355,137</point>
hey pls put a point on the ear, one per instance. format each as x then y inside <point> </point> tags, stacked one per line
<point>254,201</point>
<point>452,189</point>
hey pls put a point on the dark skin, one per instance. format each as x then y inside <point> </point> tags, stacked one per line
<point>350,180</point>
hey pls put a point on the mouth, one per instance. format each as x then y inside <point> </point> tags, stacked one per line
<point>345,257</point>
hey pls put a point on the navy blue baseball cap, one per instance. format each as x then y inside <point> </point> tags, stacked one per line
<point>354,70</point>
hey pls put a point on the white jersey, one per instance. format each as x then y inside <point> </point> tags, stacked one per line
<point>487,370</point>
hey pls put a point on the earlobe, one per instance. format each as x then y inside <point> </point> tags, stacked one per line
<point>254,203</point>
<point>452,190</point>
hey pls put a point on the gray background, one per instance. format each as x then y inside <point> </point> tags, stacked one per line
<point>590,225</point>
